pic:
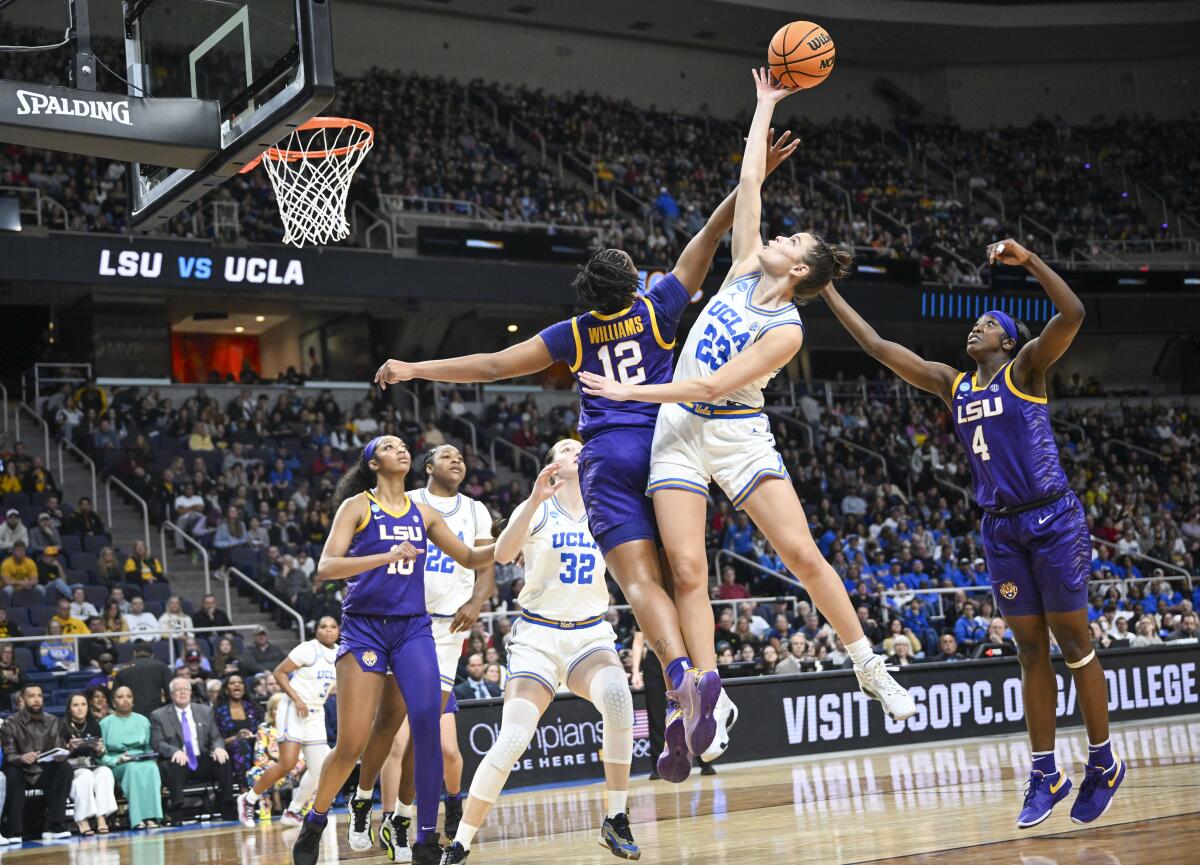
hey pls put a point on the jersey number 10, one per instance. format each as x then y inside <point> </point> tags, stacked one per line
<point>404,567</point>
<point>628,355</point>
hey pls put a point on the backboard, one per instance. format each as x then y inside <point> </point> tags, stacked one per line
<point>268,63</point>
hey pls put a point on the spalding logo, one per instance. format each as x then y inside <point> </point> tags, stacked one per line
<point>29,102</point>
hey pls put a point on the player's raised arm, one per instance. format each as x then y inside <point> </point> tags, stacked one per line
<point>936,378</point>
<point>524,358</point>
<point>1040,353</point>
<point>451,544</point>
<point>697,256</point>
<point>518,529</point>
<point>335,564</point>
<point>747,218</point>
<point>762,359</point>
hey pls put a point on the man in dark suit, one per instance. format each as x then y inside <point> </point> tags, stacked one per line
<point>190,747</point>
<point>476,687</point>
<point>148,678</point>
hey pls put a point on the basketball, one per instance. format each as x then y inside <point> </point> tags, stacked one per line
<point>801,54</point>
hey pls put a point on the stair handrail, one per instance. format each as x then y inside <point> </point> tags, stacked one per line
<point>784,577</point>
<point>23,406</point>
<point>271,597</point>
<point>1022,219</point>
<point>517,449</point>
<point>91,464</point>
<point>802,425</point>
<point>4,396</point>
<point>1180,573</point>
<point>113,479</point>
<point>200,548</point>
<point>840,190</point>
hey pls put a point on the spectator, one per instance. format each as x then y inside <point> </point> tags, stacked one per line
<point>770,658</point>
<point>210,616</point>
<point>730,589</point>
<point>231,534</point>
<point>193,665</point>
<point>98,701</point>
<point>12,531</point>
<point>225,661</point>
<point>142,567</point>
<point>25,735</point>
<point>948,645</point>
<point>141,624</point>
<point>57,654</point>
<point>1188,629</point>
<point>969,629</point>
<point>189,516</point>
<point>92,788</point>
<point>262,656</point>
<point>81,608</point>
<point>147,678</point>
<point>106,664</point>
<point>85,521</point>
<point>901,651</point>
<point>189,747</point>
<point>897,629</point>
<point>109,571</point>
<point>476,687</point>
<point>52,574</point>
<point>266,752</point>
<point>237,721</point>
<point>10,481</point>
<point>66,621</point>
<point>112,620</point>
<point>126,746</point>
<point>1147,634</point>
<point>174,620</point>
<point>200,440</point>
<point>19,571</point>
<point>12,677</point>
<point>43,535</point>
<point>996,643</point>
<point>8,628</point>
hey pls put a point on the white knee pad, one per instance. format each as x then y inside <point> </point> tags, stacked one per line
<point>518,723</point>
<point>609,692</point>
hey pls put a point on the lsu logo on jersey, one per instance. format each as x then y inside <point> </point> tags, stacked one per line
<point>979,409</point>
<point>400,533</point>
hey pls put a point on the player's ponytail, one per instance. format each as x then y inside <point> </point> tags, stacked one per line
<point>359,478</point>
<point>608,282</point>
<point>826,263</point>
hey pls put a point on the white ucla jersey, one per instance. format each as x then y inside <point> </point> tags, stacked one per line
<point>315,675</point>
<point>448,585</point>
<point>729,324</point>
<point>564,570</point>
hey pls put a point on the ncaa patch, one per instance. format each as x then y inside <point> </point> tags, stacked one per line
<point>374,508</point>
<point>964,386</point>
<point>1008,590</point>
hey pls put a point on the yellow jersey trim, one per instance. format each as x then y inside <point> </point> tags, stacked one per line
<point>407,506</point>
<point>610,316</point>
<point>957,380</point>
<point>578,345</point>
<point>975,386</point>
<point>362,525</point>
<point>662,343</point>
<point>1040,400</point>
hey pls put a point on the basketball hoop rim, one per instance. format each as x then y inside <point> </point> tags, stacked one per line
<point>284,155</point>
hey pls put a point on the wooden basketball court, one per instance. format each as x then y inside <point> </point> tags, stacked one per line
<point>953,801</point>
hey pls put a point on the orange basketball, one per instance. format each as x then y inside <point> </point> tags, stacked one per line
<point>801,54</point>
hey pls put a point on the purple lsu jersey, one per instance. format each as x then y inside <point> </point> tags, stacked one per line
<point>633,346</point>
<point>397,589</point>
<point>1009,442</point>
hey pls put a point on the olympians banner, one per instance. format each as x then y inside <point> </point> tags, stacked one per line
<point>783,716</point>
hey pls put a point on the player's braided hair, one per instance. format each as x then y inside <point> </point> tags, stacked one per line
<point>606,283</point>
<point>826,262</point>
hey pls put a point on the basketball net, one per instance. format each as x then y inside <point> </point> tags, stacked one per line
<point>311,171</point>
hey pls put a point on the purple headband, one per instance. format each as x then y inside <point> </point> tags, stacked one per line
<point>1006,323</point>
<point>369,450</point>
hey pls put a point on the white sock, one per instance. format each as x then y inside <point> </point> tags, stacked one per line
<point>251,796</point>
<point>360,793</point>
<point>860,652</point>
<point>616,802</point>
<point>403,810</point>
<point>466,834</point>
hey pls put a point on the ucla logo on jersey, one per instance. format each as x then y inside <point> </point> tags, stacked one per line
<point>400,533</point>
<point>572,539</point>
<point>980,409</point>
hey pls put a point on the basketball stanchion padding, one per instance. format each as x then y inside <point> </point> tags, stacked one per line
<point>311,171</point>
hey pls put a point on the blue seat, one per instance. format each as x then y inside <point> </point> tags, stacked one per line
<point>95,543</point>
<point>26,598</point>
<point>39,498</point>
<point>124,653</point>
<point>82,561</point>
<point>156,593</point>
<point>161,651</point>
<point>155,607</point>
<point>71,544</point>
<point>15,500</point>
<point>29,514</point>
<point>39,616</point>
<point>75,575</point>
<point>19,616</point>
<point>23,658</point>
<point>77,681</point>
<point>96,595</point>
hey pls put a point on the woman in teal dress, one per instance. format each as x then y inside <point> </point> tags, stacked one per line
<point>127,735</point>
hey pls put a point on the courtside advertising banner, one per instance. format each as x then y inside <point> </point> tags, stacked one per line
<point>782,716</point>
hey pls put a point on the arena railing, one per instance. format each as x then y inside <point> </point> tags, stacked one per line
<point>947,172</point>
<point>1024,220</point>
<point>491,616</point>
<point>165,556</point>
<point>906,596</point>
<point>108,485</point>
<point>4,396</point>
<point>875,209</point>
<point>231,571</point>
<point>82,373</point>
<point>782,576</point>
<point>802,425</point>
<point>519,452</point>
<point>841,191</point>
<point>23,407</point>
<point>167,635</point>
<point>1179,573</point>
<point>63,442</point>
<point>1131,446</point>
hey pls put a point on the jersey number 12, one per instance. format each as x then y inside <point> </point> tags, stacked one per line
<point>628,355</point>
<point>978,445</point>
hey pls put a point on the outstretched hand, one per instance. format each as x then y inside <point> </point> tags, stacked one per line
<point>768,88</point>
<point>393,372</point>
<point>779,150</point>
<point>1007,251</point>
<point>547,483</point>
<point>597,385</point>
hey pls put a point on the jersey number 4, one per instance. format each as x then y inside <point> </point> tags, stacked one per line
<point>577,569</point>
<point>978,445</point>
<point>628,357</point>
